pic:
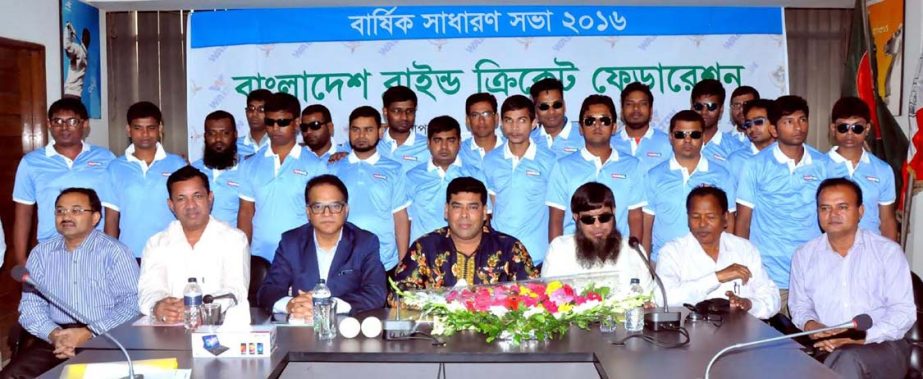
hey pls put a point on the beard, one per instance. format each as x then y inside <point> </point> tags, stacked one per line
<point>590,252</point>
<point>220,160</point>
<point>365,149</point>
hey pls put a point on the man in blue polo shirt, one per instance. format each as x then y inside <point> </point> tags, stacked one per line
<point>848,158</point>
<point>317,132</point>
<point>776,208</point>
<point>481,118</point>
<point>517,179</point>
<point>708,100</point>
<point>554,132</point>
<point>760,117</point>
<point>376,185</point>
<point>597,162</point>
<point>136,206</point>
<point>257,138</point>
<point>427,183</point>
<point>43,173</point>
<point>220,164</point>
<point>400,142</point>
<point>272,180</point>
<point>669,183</point>
<point>638,138</point>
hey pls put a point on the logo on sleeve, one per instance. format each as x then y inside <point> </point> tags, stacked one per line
<point>301,172</point>
<point>873,179</point>
<point>532,173</point>
<point>653,154</point>
<point>619,176</point>
<point>232,183</point>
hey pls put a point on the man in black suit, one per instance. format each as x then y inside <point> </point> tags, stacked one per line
<point>329,248</point>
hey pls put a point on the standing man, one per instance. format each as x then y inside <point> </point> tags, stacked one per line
<point>597,162</point>
<point>775,209</point>
<point>554,132</point>
<point>638,138</point>
<point>850,125</point>
<point>517,179</point>
<point>739,99</point>
<point>220,164</point>
<point>317,131</point>
<point>380,199</point>
<point>482,120</point>
<point>760,117</point>
<point>400,142</point>
<point>426,184</point>
<point>135,208</point>
<point>43,173</point>
<point>257,139</point>
<point>708,100</point>
<point>272,179</point>
<point>846,272</point>
<point>93,272</point>
<point>668,183</point>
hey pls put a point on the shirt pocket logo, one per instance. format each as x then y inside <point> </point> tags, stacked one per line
<point>619,176</point>
<point>409,157</point>
<point>810,178</point>
<point>653,154</point>
<point>300,172</point>
<point>719,157</point>
<point>232,183</point>
<point>94,164</point>
<point>569,149</point>
<point>379,176</point>
<point>873,179</point>
<point>531,172</point>
<point>165,174</point>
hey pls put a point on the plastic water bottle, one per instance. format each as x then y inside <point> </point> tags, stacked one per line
<point>634,318</point>
<point>192,300</point>
<point>324,312</point>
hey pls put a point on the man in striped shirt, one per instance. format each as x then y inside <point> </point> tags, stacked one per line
<point>90,271</point>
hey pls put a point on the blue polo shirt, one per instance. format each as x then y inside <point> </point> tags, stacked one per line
<point>519,187</point>
<point>413,152</point>
<point>666,188</point>
<point>874,177</point>
<point>246,146</point>
<point>736,161</point>
<point>277,190</point>
<point>139,194</point>
<point>473,155</point>
<point>653,148</point>
<point>324,158</point>
<point>567,142</point>
<point>721,146</point>
<point>43,173</point>
<point>376,192</point>
<point>781,195</point>
<point>621,173</point>
<point>426,188</point>
<point>225,185</point>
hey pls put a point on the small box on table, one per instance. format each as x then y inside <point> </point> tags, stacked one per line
<point>256,341</point>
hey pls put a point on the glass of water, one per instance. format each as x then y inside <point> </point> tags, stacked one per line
<point>211,314</point>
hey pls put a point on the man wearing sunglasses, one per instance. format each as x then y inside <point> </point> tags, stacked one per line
<point>739,99</point>
<point>668,183</point>
<point>776,208</point>
<point>400,141</point>
<point>329,248</point>
<point>554,132</point>
<point>850,127</point>
<point>597,161</point>
<point>638,138</point>
<point>257,138</point>
<point>482,120</point>
<point>68,162</point>
<point>317,131</point>
<point>708,100</point>
<point>273,179</point>
<point>220,163</point>
<point>758,125</point>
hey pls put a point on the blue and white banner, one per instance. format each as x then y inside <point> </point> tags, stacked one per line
<point>346,57</point>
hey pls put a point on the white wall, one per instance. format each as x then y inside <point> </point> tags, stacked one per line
<point>913,43</point>
<point>37,21</point>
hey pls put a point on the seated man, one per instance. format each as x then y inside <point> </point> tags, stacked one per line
<point>849,271</point>
<point>95,274</point>
<point>467,252</point>
<point>596,245</point>
<point>710,263</point>
<point>196,245</point>
<point>328,248</point>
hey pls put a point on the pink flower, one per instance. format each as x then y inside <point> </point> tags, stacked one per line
<point>593,296</point>
<point>561,296</point>
<point>550,306</point>
<point>579,300</point>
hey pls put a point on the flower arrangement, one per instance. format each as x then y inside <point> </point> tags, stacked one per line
<point>520,311</point>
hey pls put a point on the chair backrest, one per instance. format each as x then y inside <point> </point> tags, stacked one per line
<point>259,267</point>
<point>915,334</point>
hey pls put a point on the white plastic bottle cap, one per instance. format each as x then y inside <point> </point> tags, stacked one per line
<point>349,327</point>
<point>371,327</point>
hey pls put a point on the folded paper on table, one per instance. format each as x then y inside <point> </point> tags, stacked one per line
<point>166,368</point>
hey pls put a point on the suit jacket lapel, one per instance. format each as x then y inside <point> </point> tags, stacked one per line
<point>344,250</point>
<point>310,259</point>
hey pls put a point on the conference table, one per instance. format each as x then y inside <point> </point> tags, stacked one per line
<point>578,354</point>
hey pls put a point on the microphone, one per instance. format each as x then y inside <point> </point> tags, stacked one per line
<point>21,274</point>
<point>208,299</point>
<point>861,323</point>
<point>658,319</point>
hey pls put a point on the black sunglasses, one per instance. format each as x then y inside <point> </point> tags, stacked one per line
<point>280,121</point>
<point>844,127</point>
<point>682,134</point>
<point>700,106</point>
<point>759,121</point>
<point>313,125</point>
<point>590,220</point>
<point>546,106</point>
<point>604,120</point>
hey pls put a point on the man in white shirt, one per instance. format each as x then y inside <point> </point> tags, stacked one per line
<point>711,263</point>
<point>196,245</point>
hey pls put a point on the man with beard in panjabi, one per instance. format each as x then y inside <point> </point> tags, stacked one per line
<point>219,164</point>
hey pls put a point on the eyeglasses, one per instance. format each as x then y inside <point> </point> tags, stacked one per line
<point>75,211</point>
<point>604,120</point>
<point>700,106</point>
<point>590,220</point>
<point>682,134</point>
<point>484,114</point>
<point>739,104</point>
<point>334,208</point>
<point>314,125</point>
<point>62,122</point>
<point>282,122</point>
<point>254,109</point>
<point>844,127</point>
<point>759,121</point>
<point>555,105</point>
